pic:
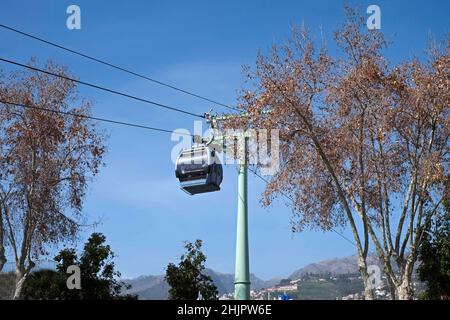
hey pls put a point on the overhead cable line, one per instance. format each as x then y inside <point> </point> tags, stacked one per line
<point>292,200</point>
<point>116,66</point>
<point>91,117</point>
<point>102,88</point>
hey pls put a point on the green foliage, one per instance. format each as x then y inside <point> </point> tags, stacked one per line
<point>284,282</point>
<point>46,285</point>
<point>7,285</point>
<point>98,275</point>
<point>326,287</point>
<point>435,257</point>
<point>188,279</point>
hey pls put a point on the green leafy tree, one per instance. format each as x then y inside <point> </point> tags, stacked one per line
<point>284,282</point>
<point>46,285</point>
<point>99,278</point>
<point>435,255</point>
<point>188,279</point>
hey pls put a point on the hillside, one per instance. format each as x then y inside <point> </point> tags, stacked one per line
<point>335,266</point>
<point>155,287</point>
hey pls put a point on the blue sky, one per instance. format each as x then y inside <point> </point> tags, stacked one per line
<point>200,46</point>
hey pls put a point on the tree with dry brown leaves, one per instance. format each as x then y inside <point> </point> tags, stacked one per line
<point>356,135</point>
<point>46,161</point>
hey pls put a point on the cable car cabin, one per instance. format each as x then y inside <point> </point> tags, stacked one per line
<point>198,169</point>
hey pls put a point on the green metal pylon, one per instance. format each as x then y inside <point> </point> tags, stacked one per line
<point>242,271</point>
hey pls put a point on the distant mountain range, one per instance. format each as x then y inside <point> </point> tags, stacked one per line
<point>155,287</point>
<point>148,287</point>
<point>336,266</point>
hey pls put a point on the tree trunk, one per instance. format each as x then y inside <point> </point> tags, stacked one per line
<point>2,261</point>
<point>20,280</point>
<point>2,246</point>
<point>391,286</point>
<point>2,255</point>
<point>404,291</point>
<point>368,292</point>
